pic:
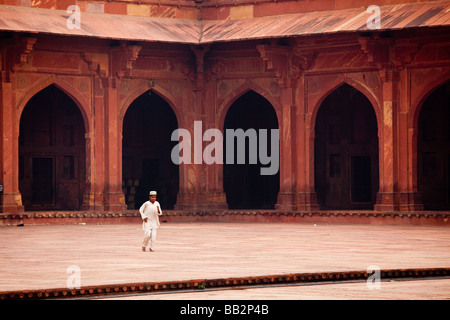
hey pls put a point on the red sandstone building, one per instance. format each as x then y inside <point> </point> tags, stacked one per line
<point>87,114</point>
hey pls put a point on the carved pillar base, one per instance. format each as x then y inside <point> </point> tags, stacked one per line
<point>201,201</point>
<point>104,202</point>
<point>307,201</point>
<point>410,201</point>
<point>386,202</point>
<point>115,201</point>
<point>297,202</point>
<point>11,202</point>
<point>285,201</point>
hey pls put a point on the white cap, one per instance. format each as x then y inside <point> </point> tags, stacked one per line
<point>153,193</point>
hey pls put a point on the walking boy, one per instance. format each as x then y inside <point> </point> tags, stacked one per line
<point>150,211</point>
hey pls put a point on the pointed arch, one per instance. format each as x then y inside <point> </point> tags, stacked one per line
<point>245,185</point>
<point>423,96</point>
<point>147,126</point>
<point>238,93</point>
<point>65,87</point>
<point>340,81</point>
<point>166,96</point>
<point>413,125</point>
<point>52,152</point>
<point>431,143</point>
<point>346,150</point>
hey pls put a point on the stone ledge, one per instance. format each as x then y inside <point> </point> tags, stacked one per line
<point>200,284</point>
<point>132,216</point>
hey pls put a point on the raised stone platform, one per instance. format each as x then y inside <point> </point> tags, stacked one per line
<point>440,218</point>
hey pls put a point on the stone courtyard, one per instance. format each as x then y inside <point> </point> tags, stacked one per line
<point>39,257</point>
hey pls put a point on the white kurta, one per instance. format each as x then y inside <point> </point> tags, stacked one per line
<point>150,211</point>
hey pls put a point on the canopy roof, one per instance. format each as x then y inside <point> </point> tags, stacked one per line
<point>133,28</point>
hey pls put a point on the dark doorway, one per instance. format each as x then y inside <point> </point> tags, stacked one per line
<point>433,150</point>
<point>244,185</point>
<point>43,184</point>
<point>346,151</point>
<point>52,174</point>
<point>361,187</point>
<point>146,164</point>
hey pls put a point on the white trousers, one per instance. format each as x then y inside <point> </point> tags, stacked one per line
<point>149,234</point>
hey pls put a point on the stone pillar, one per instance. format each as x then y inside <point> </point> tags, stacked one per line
<point>191,180</point>
<point>305,197</point>
<point>104,151</point>
<point>287,134</point>
<point>397,190</point>
<point>215,195</point>
<point>387,196</point>
<point>409,197</point>
<point>10,197</point>
<point>114,199</point>
<point>201,184</point>
<point>193,193</point>
<point>94,196</point>
<point>90,200</point>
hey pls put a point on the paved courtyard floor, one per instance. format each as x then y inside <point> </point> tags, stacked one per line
<point>38,257</point>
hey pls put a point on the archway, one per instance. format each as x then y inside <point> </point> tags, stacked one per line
<point>146,147</point>
<point>346,151</point>
<point>433,150</point>
<point>244,185</point>
<point>52,154</point>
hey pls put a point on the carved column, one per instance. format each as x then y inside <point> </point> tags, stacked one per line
<point>391,58</point>
<point>277,59</point>
<point>216,197</point>
<point>10,197</point>
<point>16,52</point>
<point>379,52</point>
<point>409,197</point>
<point>89,198</point>
<point>287,133</point>
<point>387,196</point>
<point>114,199</point>
<point>306,198</point>
<point>201,187</point>
<point>191,174</point>
<point>288,63</point>
<point>122,62</point>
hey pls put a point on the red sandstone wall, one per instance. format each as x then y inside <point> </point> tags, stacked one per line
<point>97,75</point>
<point>180,9</point>
<point>83,68</point>
<point>203,9</point>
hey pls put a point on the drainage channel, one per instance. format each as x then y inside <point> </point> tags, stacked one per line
<point>197,285</point>
<point>262,286</point>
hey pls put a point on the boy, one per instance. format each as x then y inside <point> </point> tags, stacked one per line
<point>150,211</point>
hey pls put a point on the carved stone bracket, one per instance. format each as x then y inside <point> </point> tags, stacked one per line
<point>215,68</point>
<point>377,50</point>
<point>301,61</point>
<point>123,59</point>
<point>404,54</point>
<point>96,63</point>
<point>386,53</point>
<point>200,52</point>
<point>18,53</point>
<point>275,58</point>
<point>25,49</point>
<point>286,62</point>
